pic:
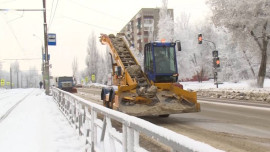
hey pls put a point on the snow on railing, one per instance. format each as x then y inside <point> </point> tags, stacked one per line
<point>103,129</point>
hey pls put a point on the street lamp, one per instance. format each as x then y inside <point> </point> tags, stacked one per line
<point>42,53</point>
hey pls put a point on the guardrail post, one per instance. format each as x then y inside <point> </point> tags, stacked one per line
<point>124,137</point>
<point>103,129</point>
<point>80,121</point>
<point>86,125</point>
<point>136,139</point>
<point>59,97</point>
<point>93,129</point>
<point>62,102</point>
<point>130,139</point>
<point>109,128</point>
<point>67,107</point>
<point>76,114</point>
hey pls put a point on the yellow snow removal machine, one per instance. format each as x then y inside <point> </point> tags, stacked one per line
<point>152,92</point>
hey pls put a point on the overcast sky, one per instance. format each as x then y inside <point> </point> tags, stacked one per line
<point>72,21</point>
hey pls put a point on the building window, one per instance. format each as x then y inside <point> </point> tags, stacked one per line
<point>145,40</point>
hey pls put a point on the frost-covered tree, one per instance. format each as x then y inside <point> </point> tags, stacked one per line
<point>165,23</point>
<point>249,22</point>
<point>75,69</point>
<point>82,75</point>
<point>183,32</point>
<point>31,78</point>
<point>16,69</point>
<point>92,56</point>
<point>98,63</point>
<point>194,59</point>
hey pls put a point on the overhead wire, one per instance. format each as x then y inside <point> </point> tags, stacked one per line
<point>51,11</point>
<point>97,26</point>
<point>106,14</point>
<point>82,22</point>
<point>13,33</point>
<point>16,18</point>
<point>24,59</point>
<point>51,20</point>
<point>7,1</point>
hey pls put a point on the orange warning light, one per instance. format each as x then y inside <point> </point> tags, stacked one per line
<point>163,40</point>
<point>200,38</point>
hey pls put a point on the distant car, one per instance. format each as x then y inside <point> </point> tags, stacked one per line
<point>78,85</point>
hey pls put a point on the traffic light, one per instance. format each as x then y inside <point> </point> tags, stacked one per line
<point>200,38</point>
<point>215,53</point>
<point>216,62</point>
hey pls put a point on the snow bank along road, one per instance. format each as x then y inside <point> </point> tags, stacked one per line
<point>224,126</point>
<point>35,124</point>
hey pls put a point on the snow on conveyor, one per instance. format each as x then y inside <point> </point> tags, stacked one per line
<point>35,125</point>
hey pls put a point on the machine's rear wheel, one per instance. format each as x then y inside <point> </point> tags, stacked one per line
<point>164,116</point>
<point>108,104</point>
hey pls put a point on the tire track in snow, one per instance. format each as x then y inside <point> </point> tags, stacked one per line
<point>14,106</point>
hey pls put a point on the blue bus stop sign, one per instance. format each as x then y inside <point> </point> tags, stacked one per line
<point>51,39</point>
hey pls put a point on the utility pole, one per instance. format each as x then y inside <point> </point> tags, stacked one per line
<point>46,72</point>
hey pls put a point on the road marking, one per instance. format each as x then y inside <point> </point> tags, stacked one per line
<point>235,105</point>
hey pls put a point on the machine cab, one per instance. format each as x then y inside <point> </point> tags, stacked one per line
<point>160,63</point>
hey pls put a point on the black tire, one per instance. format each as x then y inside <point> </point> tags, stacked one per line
<point>108,104</point>
<point>104,103</point>
<point>164,116</point>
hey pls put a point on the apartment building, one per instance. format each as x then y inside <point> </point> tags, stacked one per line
<point>142,28</point>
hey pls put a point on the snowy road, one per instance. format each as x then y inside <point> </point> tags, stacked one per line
<point>35,124</point>
<point>223,126</point>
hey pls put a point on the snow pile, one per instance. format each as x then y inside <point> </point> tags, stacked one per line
<point>95,85</point>
<point>243,86</point>
<point>243,90</point>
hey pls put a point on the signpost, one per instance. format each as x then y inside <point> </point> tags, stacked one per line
<point>51,39</point>
<point>2,82</point>
<point>93,78</point>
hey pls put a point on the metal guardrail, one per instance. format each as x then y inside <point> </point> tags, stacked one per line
<point>94,124</point>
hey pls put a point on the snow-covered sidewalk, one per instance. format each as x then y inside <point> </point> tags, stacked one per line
<point>37,125</point>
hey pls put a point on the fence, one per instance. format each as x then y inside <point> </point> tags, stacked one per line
<point>104,129</point>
